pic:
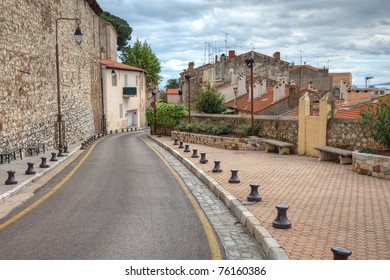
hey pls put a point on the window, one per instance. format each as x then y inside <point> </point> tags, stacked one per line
<point>126,80</point>
<point>121,110</point>
<point>114,77</point>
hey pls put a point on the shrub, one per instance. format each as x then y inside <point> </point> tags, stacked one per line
<point>166,114</point>
<point>209,100</point>
<point>246,129</point>
<point>375,121</point>
<point>367,151</point>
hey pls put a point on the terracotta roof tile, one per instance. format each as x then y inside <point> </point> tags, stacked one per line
<point>116,65</point>
<point>347,112</point>
<point>173,91</point>
<point>259,104</point>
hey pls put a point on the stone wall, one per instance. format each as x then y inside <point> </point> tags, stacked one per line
<point>28,90</point>
<point>371,165</point>
<point>346,134</point>
<point>341,133</point>
<point>228,143</point>
<point>274,127</point>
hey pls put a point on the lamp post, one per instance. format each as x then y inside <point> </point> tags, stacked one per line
<point>60,123</point>
<point>249,63</point>
<point>188,77</point>
<point>154,112</point>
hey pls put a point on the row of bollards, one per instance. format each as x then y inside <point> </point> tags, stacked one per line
<point>11,180</point>
<point>281,221</point>
<point>122,130</point>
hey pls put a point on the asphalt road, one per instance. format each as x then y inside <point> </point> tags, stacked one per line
<point>122,203</point>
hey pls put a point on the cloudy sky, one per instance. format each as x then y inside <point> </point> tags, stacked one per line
<point>344,35</point>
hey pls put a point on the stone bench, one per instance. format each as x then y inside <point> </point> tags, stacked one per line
<point>345,156</point>
<point>7,154</point>
<point>283,147</point>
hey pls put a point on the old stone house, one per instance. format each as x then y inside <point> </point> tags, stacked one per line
<point>228,70</point>
<point>304,75</point>
<point>28,80</point>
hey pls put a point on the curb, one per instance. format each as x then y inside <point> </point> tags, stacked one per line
<point>270,247</point>
<point>39,175</point>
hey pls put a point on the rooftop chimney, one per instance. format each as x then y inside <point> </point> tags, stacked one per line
<point>191,65</point>
<point>277,56</point>
<point>232,54</point>
<point>280,89</point>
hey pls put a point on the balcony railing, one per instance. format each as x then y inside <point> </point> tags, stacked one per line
<point>129,91</point>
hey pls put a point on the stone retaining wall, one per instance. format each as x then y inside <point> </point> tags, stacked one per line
<point>371,165</point>
<point>229,143</point>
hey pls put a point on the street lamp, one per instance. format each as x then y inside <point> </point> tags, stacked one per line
<point>154,112</point>
<point>78,36</point>
<point>249,63</point>
<point>188,77</point>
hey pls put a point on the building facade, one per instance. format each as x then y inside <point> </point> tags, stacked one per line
<point>28,83</point>
<point>124,91</point>
<point>227,72</point>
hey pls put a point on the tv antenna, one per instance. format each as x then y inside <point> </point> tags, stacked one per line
<point>226,40</point>
<point>368,77</point>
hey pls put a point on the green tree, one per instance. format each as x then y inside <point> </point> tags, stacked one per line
<point>210,101</point>
<point>375,121</point>
<point>121,27</point>
<point>141,55</point>
<point>172,83</point>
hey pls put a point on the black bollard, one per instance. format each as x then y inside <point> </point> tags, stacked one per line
<point>43,163</point>
<point>187,148</point>
<point>194,153</point>
<point>11,178</point>
<point>176,142</point>
<point>131,129</point>
<point>123,130</point>
<point>181,145</point>
<point>281,220</point>
<point>30,169</point>
<point>203,158</point>
<point>54,157</point>
<point>217,167</point>
<point>60,153</point>
<point>234,178</point>
<point>66,151</point>
<point>254,195</point>
<point>83,146</point>
<point>116,130</point>
<point>110,131</point>
<point>127,129</point>
<point>340,253</point>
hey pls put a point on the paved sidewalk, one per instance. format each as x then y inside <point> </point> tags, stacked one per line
<point>329,204</point>
<point>20,167</point>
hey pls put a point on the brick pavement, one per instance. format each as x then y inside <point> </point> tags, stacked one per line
<point>329,203</point>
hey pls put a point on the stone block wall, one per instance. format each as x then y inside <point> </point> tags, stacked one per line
<point>28,89</point>
<point>371,165</point>
<point>274,127</point>
<point>341,133</point>
<point>228,143</point>
<point>346,134</point>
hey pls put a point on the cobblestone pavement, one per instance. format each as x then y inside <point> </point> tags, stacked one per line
<point>234,237</point>
<point>329,204</point>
